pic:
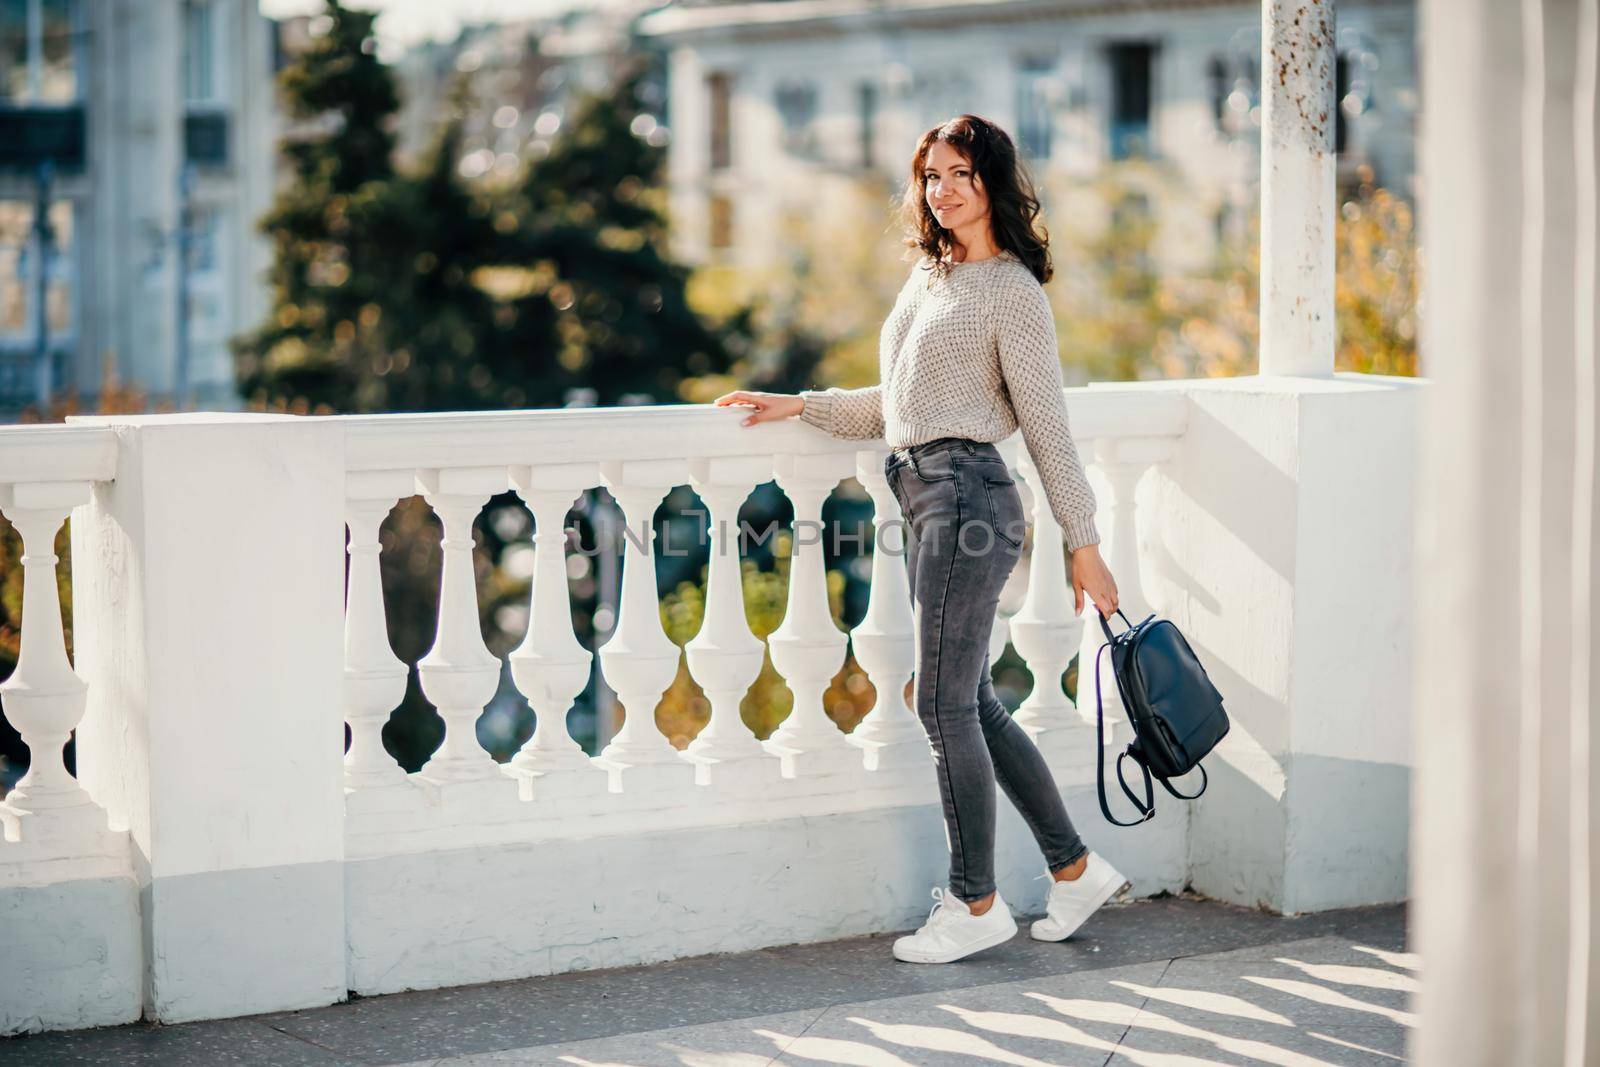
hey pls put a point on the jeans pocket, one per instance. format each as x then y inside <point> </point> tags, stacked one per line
<point>1005,509</point>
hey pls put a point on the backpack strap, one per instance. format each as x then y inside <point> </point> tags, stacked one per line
<point>1147,809</point>
<point>1204,781</point>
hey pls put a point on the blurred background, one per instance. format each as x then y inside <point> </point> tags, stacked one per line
<point>324,208</point>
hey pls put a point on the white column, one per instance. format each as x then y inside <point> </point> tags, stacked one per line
<point>1473,878</point>
<point>885,640</point>
<point>1124,461</point>
<point>725,657</point>
<point>459,674</point>
<point>374,677</point>
<point>1046,632</point>
<point>808,649</point>
<point>1297,187</point>
<point>1546,498</point>
<point>1583,1045</point>
<point>551,666</point>
<point>640,660</point>
<point>44,697</point>
<point>208,597</point>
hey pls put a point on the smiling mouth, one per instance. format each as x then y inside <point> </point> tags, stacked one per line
<point>947,207</point>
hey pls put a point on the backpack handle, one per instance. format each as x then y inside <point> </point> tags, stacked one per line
<point>1105,625</point>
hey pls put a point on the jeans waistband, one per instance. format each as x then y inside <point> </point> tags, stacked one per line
<point>938,444</point>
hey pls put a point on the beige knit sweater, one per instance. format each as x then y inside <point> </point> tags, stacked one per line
<point>972,354</point>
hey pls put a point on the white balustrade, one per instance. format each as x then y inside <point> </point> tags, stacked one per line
<point>551,666</point>
<point>808,649</point>
<point>44,697</point>
<point>725,657</point>
<point>551,794</point>
<point>885,639</point>
<point>459,674</point>
<point>374,677</point>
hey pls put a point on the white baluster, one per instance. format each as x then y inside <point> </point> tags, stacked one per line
<point>459,674</point>
<point>640,660</point>
<point>1046,632</point>
<point>999,637</point>
<point>885,640</point>
<point>374,677</point>
<point>1123,460</point>
<point>725,657</point>
<point>551,666</point>
<point>808,649</point>
<point>44,697</point>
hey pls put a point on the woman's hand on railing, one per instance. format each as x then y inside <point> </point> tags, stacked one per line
<point>1090,574</point>
<point>768,406</point>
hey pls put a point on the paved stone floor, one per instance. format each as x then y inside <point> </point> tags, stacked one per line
<point>1165,983</point>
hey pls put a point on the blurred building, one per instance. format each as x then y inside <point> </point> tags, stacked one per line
<point>135,157</point>
<point>513,83</point>
<point>774,105</point>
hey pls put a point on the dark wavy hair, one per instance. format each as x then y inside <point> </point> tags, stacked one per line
<point>1013,203</point>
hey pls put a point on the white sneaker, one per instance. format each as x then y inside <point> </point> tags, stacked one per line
<point>1072,902</point>
<point>952,931</point>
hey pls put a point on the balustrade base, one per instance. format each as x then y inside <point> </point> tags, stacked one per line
<point>38,848</point>
<point>635,779</point>
<point>756,773</point>
<point>1070,753</point>
<point>568,788</point>
<point>472,799</point>
<point>835,756</point>
<point>889,755</point>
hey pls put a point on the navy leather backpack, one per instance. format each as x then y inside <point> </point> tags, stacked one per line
<point>1175,711</point>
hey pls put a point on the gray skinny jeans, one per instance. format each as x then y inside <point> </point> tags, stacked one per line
<point>965,526</point>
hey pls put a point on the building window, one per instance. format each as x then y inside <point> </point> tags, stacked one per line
<point>206,314</point>
<point>38,51</point>
<point>867,101</point>
<point>720,90</point>
<point>199,62</point>
<point>721,218</point>
<point>1218,86</point>
<point>20,340</point>
<point>1034,115</point>
<point>797,111</point>
<point>1132,66</point>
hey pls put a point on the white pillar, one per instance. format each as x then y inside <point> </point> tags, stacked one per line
<point>1297,187</point>
<point>1046,635</point>
<point>374,677</point>
<point>1504,845</point>
<point>808,649</point>
<point>44,697</point>
<point>208,587</point>
<point>725,657</point>
<point>459,674</point>
<point>640,660</point>
<point>551,666</point>
<point>885,640</point>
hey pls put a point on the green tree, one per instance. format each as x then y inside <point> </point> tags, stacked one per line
<point>331,227</point>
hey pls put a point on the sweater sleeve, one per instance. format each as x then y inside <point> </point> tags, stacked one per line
<point>1030,361</point>
<point>850,413</point>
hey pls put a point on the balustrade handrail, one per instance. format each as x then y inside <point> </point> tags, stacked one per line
<point>683,431</point>
<point>57,453</point>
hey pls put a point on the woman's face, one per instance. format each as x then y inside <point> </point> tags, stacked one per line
<point>954,193</point>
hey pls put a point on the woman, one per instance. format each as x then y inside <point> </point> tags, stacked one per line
<point>967,356</point>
